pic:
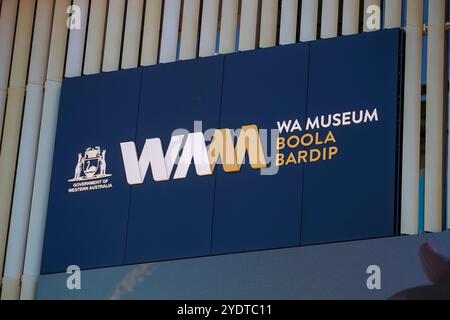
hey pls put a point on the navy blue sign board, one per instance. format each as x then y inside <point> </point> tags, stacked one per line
<point>349,191</point>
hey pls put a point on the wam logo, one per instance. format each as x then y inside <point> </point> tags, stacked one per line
<point>90,171</point>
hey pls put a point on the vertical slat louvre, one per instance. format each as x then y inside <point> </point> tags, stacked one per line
<point>308,22</point>
<point>434,136</point>
<point>77,39</point>
<point>228,24</point>
<point>269,23</point>
<point>189,29</point>
<point>248,24</point>
<point>58,42</point>
<point>44,159</point>
<point>208,31</point>
<point>113,37</point>
<point>150,38</point>
<point>288,23</point>
<point>411,120</point>
<point>393,14</point>
<point>2,108</point>
<point>27,152</point>
<point>169,36</point>
<point>329,24</point>
<point>132,34</point>
<point>7,28</point>
<point>448,158</point>
<point>350,17</point>
<point>13,116</point>
<point>95,37</point>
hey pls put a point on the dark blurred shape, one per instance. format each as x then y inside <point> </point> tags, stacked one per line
<point>437,269</point>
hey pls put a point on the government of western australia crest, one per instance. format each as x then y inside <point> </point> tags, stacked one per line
<point>90,171</point>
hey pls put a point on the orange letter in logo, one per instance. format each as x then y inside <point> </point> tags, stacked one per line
<point>249,141</point>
